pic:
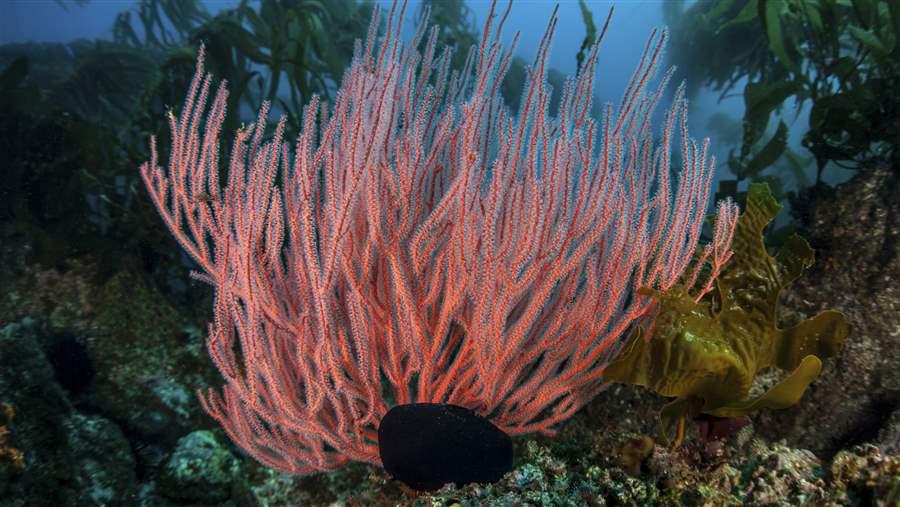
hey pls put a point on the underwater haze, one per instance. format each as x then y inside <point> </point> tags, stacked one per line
<point>448,252</point>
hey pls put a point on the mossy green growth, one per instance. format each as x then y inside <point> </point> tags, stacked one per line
<point>706,354</point>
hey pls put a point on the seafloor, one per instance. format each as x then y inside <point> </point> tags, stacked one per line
<point>98,371</point>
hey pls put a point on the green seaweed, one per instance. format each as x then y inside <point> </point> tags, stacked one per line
<point>839,57</point>
<point>706,354</point>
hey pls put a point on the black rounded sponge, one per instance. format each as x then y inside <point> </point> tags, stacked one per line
<point>426,445</point>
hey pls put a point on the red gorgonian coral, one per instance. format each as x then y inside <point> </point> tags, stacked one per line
<point>424,244</point>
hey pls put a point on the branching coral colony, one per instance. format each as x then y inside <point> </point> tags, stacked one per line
<point>425,245</point>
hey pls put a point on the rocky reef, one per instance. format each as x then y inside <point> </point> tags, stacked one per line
<point>98,372</point>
